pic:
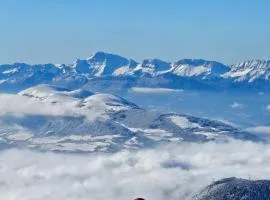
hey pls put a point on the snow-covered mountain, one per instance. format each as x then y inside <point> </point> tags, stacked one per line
<point>104,64</point>
<point>199,68</point>
<point>19,75</point>
<point>57,119</point>
<point>236,189</point>
<point>152,67</point>
<point>117,71</point>
<point>250,71</point>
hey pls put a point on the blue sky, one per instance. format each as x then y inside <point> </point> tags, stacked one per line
<point>59,31</point>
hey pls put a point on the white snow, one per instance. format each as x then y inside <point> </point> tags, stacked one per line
<point>183,122</point>
<point>3,81</point>
<point>121,71</point>
<point>51,101</point>
<point>79,102</point>
<point>20,136</point>
<point>47,93</point>
<point>241,73</point>
<point>186,70</point>
<point>209,135</point>
<point>154,134</point>
<point>11,71</point>
<point>250,71</point>
<point>86,143</point>
<point>105,102</point>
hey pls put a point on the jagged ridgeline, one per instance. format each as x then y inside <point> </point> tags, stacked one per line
<point>108,72</point>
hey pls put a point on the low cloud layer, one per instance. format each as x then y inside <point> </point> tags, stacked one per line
<point>154,90</point>
<point>268,108</point>
<point>20,105</point>
<point>17,105</point>
<point>236,105</point>
<point>164,173</point>
<point>261,130</point>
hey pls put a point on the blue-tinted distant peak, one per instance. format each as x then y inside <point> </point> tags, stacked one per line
<point>154,61</point>
<point>199,67</point>
<point>98,55</point>
<point>197,62</point>
<point>156,64</point>
<point>101,56</point>
<point>254,62</point>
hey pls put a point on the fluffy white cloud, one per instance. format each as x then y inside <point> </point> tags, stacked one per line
<point>236,105</point>
<point>260,129</point>
<point>171,172</point>
<point>154,90</point>
<point>268,107</point>
<point>20,106</point>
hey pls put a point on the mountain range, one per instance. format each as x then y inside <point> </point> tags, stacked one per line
<point>108,72</point>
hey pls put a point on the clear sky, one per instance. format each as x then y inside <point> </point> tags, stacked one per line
<point>59,31</point>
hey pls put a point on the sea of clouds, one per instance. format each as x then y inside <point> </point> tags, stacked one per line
<point>163,173</point>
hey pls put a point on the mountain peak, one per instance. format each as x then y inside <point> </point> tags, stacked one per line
<point>101,56</point>
<point>109,64</point>
<point>98,55</point>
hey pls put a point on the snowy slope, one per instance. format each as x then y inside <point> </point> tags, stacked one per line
<point>54,94</point>
<point>199,67</point>
<point>152,67</point>
<point>57,119</point>
<point>102,64</point>
<point>19,75</point>
<point>250,71</point>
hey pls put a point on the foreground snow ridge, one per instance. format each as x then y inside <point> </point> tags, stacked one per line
<point>234,188</point>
